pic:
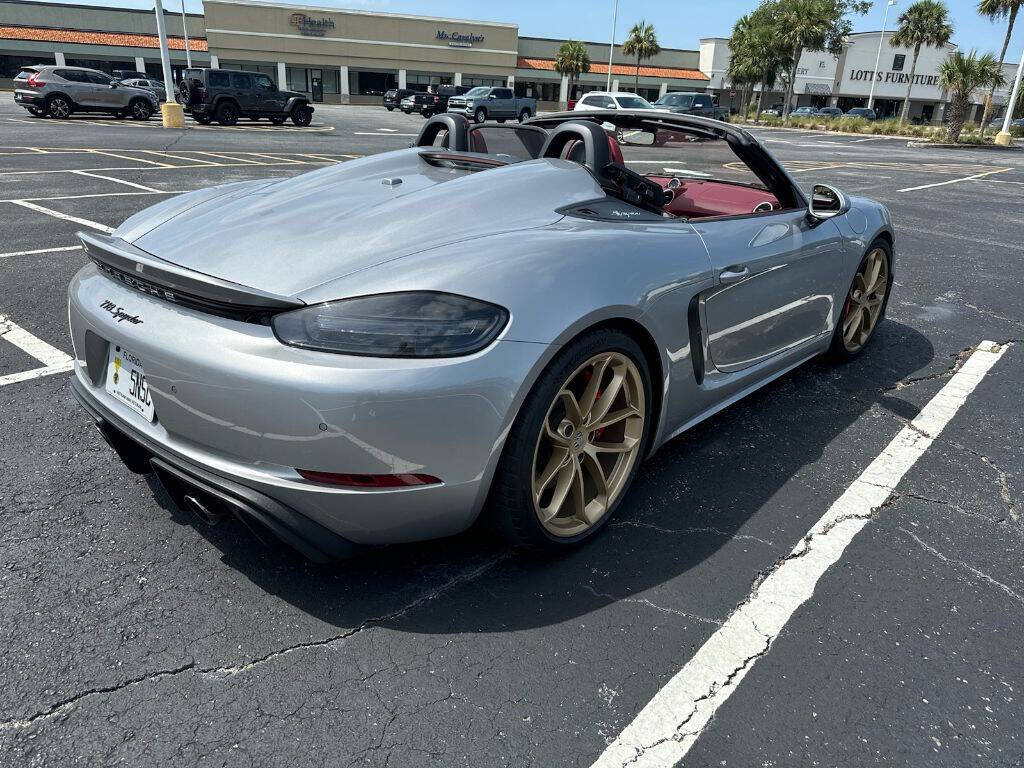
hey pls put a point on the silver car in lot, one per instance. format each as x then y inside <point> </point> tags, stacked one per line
<point>57,92</point>
<point>361,375</point>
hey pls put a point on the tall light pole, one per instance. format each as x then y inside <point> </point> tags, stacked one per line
<point>184,28</point>
<point>171,110</point>
<point>878,56</point>
<point>1003,137</point>
<point>611,45</point>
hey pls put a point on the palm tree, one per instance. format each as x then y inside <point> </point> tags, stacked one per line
<point>997,9</point>
<point>961,76</point>
<point>743,69</point>
<point>756,57</point>
<point>572,60</point>
<point>642,43</point>
<point>926,22</point>
<point>811,25</point>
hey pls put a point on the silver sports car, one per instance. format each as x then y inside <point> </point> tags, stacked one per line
<point>499,321</point>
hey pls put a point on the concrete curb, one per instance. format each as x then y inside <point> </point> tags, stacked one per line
<point>946,145</point>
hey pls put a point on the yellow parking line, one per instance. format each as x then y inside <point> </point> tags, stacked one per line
<point>125,157</point>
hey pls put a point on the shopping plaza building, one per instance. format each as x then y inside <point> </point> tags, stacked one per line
<point>353,56</point>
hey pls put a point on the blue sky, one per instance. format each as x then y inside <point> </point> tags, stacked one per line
<point>679,24</point>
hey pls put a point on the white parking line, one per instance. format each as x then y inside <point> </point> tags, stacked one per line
<point>26,342</point>
<point>666,729</point>
<point>125,157</point>
<point>954,181</point>
<point>65,216</point>
<point>375,133</point>
<point>40,251</point>
<point>116,180</point>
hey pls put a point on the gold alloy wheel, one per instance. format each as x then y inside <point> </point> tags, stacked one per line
<point>864,304</point>
<point>588,444</point>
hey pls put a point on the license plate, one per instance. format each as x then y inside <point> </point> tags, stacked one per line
<point>126,381</point>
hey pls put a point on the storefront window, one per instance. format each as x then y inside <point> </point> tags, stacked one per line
<point>331,80</point>
<point>374,83</point>
<point>298,79</point>
<point>10,65</point>
<point>474,80</point>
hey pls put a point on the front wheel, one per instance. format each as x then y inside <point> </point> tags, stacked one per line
<point>524,116</point>
<point>865,303</point>
<point>480,115</point>
<point>302,115</point>
<point>576,444</point>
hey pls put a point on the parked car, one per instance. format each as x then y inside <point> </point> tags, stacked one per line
<point>829,112</point>
<point>129,74</point>
<point>60,91</point>
<point>804,112</point>
<point>775,109</point>
<point>997,124</point>
<point>393,98</point>
<point>226,95</point>
<point>493,103</point>
<point>684,103</point>
<point>867,114</point>
<point>519,366</point>
<point>435,100</point>
<point>150,85</point>
<point>408,104</point>
<point>611,100</point>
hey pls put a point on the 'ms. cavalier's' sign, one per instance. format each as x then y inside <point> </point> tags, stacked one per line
<point>307,25</point>
<point>459,39</point>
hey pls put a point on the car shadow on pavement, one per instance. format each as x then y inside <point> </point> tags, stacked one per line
<point>701,492</point>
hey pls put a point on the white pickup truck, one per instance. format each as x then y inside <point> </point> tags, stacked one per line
<point>492,103</point>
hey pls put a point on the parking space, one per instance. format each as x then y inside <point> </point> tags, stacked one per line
<point>828,572</point>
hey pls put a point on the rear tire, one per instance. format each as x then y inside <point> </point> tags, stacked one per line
<point>140,109</point>
<point>390,109</point>
<point>516,496</point>
<point>301,115</point>
<point>59,107</point>
<point>227,113</point>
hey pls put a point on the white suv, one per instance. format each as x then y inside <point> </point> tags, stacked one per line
<point>612,100</point>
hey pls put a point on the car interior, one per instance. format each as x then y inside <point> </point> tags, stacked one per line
<point>598,147</point>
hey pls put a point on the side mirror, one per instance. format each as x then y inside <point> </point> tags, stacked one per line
<point>491,96</point>
<point>826,202</point>
<point>115,83</point>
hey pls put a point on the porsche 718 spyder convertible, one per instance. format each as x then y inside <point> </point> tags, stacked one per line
<point>500,320</point>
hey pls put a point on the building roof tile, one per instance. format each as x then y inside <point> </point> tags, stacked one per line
<point>44,34</point>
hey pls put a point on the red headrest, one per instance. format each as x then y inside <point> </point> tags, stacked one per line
<point>615,151</point>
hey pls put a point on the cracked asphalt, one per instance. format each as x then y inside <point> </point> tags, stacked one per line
<point>132,635</point>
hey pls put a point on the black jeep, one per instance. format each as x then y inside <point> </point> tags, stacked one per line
<point>226,95</point>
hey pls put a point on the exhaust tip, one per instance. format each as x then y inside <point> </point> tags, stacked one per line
<point>207,510</point>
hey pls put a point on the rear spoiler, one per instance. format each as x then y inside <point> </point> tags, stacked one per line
<point>152,275</point>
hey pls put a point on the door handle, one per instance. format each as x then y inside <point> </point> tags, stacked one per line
<point>734,274</point>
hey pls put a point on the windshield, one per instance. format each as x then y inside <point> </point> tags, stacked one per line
<point>633,102</point>
<point>478,91</point>
<point>675,100</point>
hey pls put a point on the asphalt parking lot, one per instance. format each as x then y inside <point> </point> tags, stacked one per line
<point>131,635</point>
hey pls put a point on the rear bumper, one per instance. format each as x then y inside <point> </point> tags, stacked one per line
<point>181,477</point>
<point>29,99</point>
<point>233,401</point>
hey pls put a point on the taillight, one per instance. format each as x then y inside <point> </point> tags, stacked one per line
<point>367,481</point>
<point>437,99</point>
<point>201,93</point>
<point>35,82</point>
